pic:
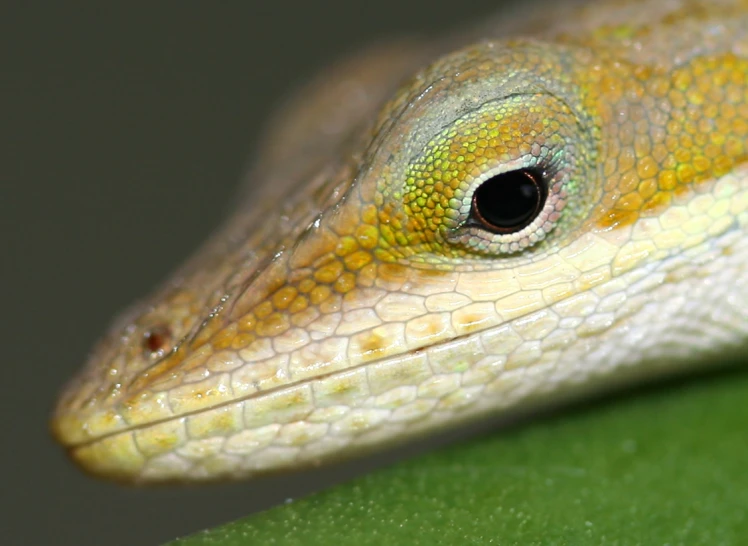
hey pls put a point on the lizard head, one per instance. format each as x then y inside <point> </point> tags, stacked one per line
<point>518,219</point>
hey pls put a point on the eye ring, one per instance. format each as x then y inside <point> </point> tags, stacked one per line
<point>549,181</point>
<point>508,202</point>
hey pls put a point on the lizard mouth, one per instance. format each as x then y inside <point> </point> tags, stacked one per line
<point>77,430</point>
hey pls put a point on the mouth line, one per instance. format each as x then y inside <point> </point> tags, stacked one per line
<point>258,394</point>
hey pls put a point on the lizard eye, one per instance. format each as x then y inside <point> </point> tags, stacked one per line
<point>508,202</point>
<point>499,179</point>
<point>511,207</point>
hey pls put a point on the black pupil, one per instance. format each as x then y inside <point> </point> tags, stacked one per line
<point>508,202</point>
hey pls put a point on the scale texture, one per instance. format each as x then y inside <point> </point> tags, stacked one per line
<point>351,302</point>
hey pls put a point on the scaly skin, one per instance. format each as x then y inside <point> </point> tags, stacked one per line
<point>349,303</point>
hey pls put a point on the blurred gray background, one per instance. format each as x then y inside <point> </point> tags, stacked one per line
<point>124,130</point>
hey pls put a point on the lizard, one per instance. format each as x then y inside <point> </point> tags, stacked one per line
<point>549,204</point>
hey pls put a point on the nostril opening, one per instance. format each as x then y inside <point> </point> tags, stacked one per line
<point>156,339</point>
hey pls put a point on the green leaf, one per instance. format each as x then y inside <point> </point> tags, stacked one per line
<point>665,465</point>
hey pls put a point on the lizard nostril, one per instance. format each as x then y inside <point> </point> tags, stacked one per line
<point>156,339</point>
